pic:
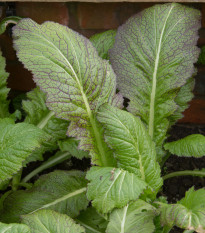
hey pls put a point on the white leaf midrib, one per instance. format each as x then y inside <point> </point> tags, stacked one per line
<point>154,79</point>
<point>75,193</point>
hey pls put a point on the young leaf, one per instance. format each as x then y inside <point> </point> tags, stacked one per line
<point>103,42</point>
<point>153,58</point>
<point>4,103</point>
<point>17,141</point>
<point>14,228</point>
<point>112,187</point>
<point>131,143</point>
<point>92,221</point>
<point>188,213</point>
<point>76,79</point>
<point>62,191</point>
<point>134,217</point>
<point>38,114</point>
<point>49,221</point>
<point>192,145</point>
<point>71,145</point>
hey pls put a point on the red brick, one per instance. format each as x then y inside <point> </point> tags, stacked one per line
<point>97,16</point>
<point>195,114</point>
<point>203,15</point>
<point>6,46</point>
<point>43,11</point>
<point>107,15</point>
<point>19,78</point>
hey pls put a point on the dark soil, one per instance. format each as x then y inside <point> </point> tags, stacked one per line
<point>174,188</point>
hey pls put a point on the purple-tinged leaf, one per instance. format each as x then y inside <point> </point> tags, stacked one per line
<point>153,58</point>
<point>77,81</point>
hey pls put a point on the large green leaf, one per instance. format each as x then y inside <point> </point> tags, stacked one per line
<point>135,217</point>
<point>131,143</point>
<point>77,81</point>
<point>63,191</point>
<point>38,114</point>
<point>192,145</point>
<point>103,42</point>
<point>92,221</point>
<point>14,228</point>
<point>188,213</point>
<point>49,221</point>
<point>4,103</point>
<point>17,141</point>
<point>153,58</point>
<point>112,187</point>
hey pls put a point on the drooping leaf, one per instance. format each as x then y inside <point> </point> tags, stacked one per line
<point>14,228</point>
<point>192,145</point>
<point>17,141</point>
<point>103,42</point>
<point>71,145</point>
<point>49,221</point>
<point>188,213</point>
<point>4,103</point>
<point>92,221</point>
<point>62,191</point>
<point>112,187</point>
<point>134,217</point>
<point>153,58</point>
<point>131,143</point>
<point>77,81</point>
<point>38,114</point>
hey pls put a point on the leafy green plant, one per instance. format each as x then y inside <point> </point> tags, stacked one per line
<point>151,64</point>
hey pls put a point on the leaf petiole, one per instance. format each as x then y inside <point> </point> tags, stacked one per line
<point>184,173</point>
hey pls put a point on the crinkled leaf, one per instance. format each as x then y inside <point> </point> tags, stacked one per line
<point>17,141</point>
<point>188,213</point>
<point>71,145</point>
<point>4,103</point>
<point>192,145</point>
<point>112,187</point>
<point>153,58</point>
<point>103,42</point>
<point>182,99</point>
<point>62,191</point>
<point>131,143</point>
<point>49,221</point>
<point>77,81</point>
<point>38,114</point>
<point>92,221</point>
<point>14,228</point>
<point>134,217</point>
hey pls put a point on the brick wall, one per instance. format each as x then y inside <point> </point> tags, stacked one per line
<point>88,19</point>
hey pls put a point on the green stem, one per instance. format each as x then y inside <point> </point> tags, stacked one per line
<point>16,180</point>
<point>8,20</point>
<point>184,173</point>
<point>45,120</point>
<point>26,185</point>
<point>188,231</point>
<point>164,159</point>
<point>49,163</point>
